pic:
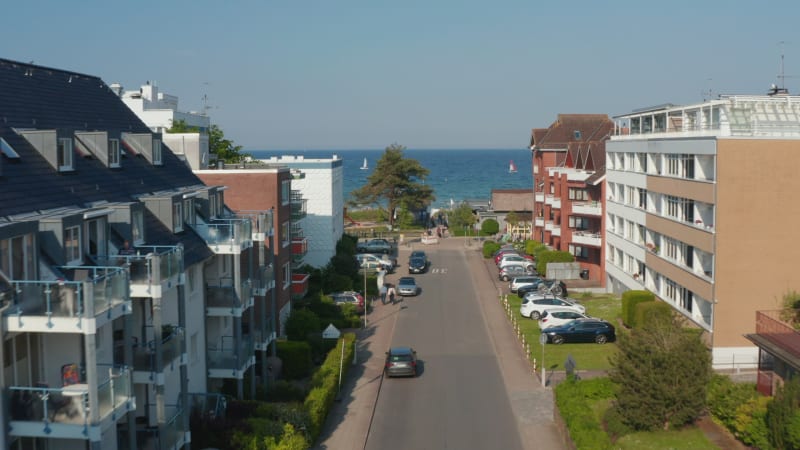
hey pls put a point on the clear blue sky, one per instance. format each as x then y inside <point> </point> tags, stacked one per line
<point>333,74</point>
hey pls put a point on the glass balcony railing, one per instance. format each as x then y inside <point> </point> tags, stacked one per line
<point>265,277</point>
<point>224,295</point>
<point>149,264</point>
<point>96,290</point>
<point>261,221</point>
<point>173,432</point>
<point>145,358</point>
<point>229,354</point>
<point>262,338</point>
<point>236,232</point>
<point>70,404</point>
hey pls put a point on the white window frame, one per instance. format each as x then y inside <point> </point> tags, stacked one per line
<point>72,245</point>
<point>137,227</point>
<point>287,275</point>
<point>177,217</point>
<point>96,226</point>
<point>286,234</point>
<point>113,153</point>
<point>18,257</point>
<point>64,155</point>
<point>286,187</point>
<point>157,152</point>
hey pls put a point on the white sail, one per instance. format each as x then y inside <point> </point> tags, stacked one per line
<point>364,166</point>
<point>511,167</point>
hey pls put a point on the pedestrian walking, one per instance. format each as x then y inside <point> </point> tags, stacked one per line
<point>391,293</point>
<point>383,292</point>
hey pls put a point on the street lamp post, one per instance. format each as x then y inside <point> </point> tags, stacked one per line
<point>543,341</point>
<point>366,302</point>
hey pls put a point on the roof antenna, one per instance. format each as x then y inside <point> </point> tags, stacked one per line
<point>775,89</point>
<point>708,94</point>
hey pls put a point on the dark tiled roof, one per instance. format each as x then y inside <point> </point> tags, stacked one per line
<point>35,97</point>
<point>582,136</point>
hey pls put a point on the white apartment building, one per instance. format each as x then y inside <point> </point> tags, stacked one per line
<point>322,185</point>
<point>700,211</point>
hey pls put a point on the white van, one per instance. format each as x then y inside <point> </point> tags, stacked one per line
<point>383,260</point>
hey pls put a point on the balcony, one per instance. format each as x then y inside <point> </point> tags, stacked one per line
<point>539,222</point>
<point>548,225</point>
<point>299,285</point>
<point>230,359</point>
<point>263,339</point>
<point>261,223</point>
<point>264,281</point>
<point>223,299</point>
<point>587,238</point>
<point>298,205</point>
<point>299,249</point>
<point>91,297</point>
<point>591,208</point>
<point>297,231</point>
<point>171,436</point>
<point>553,201</point>
<point>556,231</point>
<point>226,236</point>
<point>539,197</point>
<point>77,411</point>
<point>154,269</point>
<point>149,367</point>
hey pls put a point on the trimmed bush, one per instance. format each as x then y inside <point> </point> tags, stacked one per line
<point>302,323</point>
<point>573,400</point>
<point>325,383</point>
<point>750,425</point>
<point>489,248</point>
<point>652,310</point>
<point>629,301</point>
<point>489,227</point>
<point>533,247</point>
<point>548,256</point>
<point>296,358</point>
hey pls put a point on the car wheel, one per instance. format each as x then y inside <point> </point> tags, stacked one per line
<point>601,339</point>
<point>557,339</point>
<point>556,289</point>
<point>535,315</point>
<point>505,278</point>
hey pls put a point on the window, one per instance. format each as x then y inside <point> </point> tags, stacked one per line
<point>576,134</point>
<point>285,237</point>
<point>578,251</point>
<point>578,223</point>
<point>177,217</point>
<point>157,151</point>
<point>630,195</point>
<point>96,240</point>
<point>642,193</point>
<point>578,194</point>
<point>137,227</point>
<point>64,154</point>
<point>287,275</point>
<point>72,245</point>
<point>18,258</point>
<point>681,165</point>
<point>680,208</point>
<point>286,187</point>
<point>113,153</point>
<point>213,206</point>
<point>188,212</point>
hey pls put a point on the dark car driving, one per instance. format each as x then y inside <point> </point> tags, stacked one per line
<point>418,263</point>
<point>581,330</point>
<point>401,362</point>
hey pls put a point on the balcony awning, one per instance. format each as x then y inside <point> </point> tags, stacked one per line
<point>764,343</point>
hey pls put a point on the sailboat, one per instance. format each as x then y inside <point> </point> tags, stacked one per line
<point>365,166</point>
<point>511,167</point>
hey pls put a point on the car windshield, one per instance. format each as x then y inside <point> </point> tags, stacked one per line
<point>396,358</point>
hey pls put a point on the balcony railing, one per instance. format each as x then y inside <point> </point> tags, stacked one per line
<point>539,197</point>
<point>300,285</point>
<point>772,326</point>
<point>299,249</point>
<point>261,223</point>
<point>226,236</point>
<point>173,434</point>
<point>587,238</point>
<point>144,355</point>
<point>224,296</point>
<point>99,290</point>
<point>262,339</point>
<point>231,356</point>
<point>539,221</point>
<point>297,231</point>
<point>589,208</point>
<point>150,266</point>
<point>70,405</point>
<point>265,280</point>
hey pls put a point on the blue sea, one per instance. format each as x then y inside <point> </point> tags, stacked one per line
<point>454,174</point>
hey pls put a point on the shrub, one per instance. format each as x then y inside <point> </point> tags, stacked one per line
<point>533,247</point>
<point>296,358</point>
<point>548,256</point>
<point>724,396</point>
<point>489,248</point>
<point>284,391</point>
<point>572,398</point>
<point>325,383</point>
<point>300,324</point>
<point>782,413</point>
<point>629,301</point>
<point>489,227</point>
<point>750,425</point>
<point>651,310</point>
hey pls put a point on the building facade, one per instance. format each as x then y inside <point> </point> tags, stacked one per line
<point>699,198</point>
<point>568,176</point>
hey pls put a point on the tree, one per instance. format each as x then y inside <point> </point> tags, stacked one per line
<point>461,216</point>
<point>512,218</point>
<point>662,371</point>
<point>217,144</point>
<point>490,226</point>
<point>395,182</point>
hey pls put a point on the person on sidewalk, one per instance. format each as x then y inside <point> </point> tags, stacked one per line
<point>383,292</point>
<point>391,293</point>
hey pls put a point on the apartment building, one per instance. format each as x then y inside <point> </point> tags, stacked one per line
<point>568,176</point>
<point>699,211</point>
<point>125,282</point>
<point>321,189</point>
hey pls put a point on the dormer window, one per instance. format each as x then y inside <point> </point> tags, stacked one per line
<point>177,217</point>
<point>72,246</point>
<point>96,240</point>
<point>213,206</point>
<point>577,134</point>
<point>157,152</point>
<point>188,212</point>
<point>18,257</point>
<point>64,155</point>
<point>113,153</point>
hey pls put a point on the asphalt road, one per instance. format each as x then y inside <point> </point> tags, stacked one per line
<point>459,400</point>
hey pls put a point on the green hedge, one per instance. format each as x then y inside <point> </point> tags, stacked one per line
<point>573,399</point>
<point>534,247</point>
<point>296,358</point>
<point>629,301</point>
<point>325,383</point>
<point>543,257</point>
<point>646,310</point>
<point>489,248</point>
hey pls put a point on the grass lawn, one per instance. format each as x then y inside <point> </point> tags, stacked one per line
<point>664,440</point>
<point>586,356</point>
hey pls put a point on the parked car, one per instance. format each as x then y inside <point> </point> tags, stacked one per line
<point>510,272</point>
<point>558,316</point>
<point>349,298</point>
<point>375,246</point>
<point>534,304</point>
<point>418,263</point>
<point>509,251</point>
<point>521,281</point>
<point>547,285</point>
<point>509,258</point>
<point>371,267</point>
<point>527,265</point>
<point>582,330</point>
<point>401,362</point>
<point>383,259</point>
<point>407,286</point>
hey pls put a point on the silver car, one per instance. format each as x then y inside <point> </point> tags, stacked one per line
<point>407,286</point>
<point>401,362</point>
